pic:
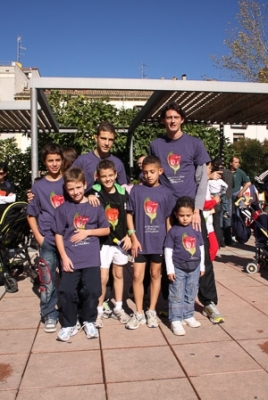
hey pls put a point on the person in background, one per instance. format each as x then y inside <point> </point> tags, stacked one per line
<point>69,156</point>
<point>7,189</point>
<point>209,212</point>
<point>139,163</point>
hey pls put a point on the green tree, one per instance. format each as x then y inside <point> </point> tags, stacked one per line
<point>247,43</point>
<point>19,166</point>
<point>253,155</point>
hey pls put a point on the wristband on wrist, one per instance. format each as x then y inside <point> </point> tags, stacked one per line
<point>130,231</point>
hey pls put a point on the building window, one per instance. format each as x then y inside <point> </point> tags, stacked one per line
<point>237,136</point>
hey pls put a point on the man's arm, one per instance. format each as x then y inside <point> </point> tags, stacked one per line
<point>200,196</point>
<point>244,188</point>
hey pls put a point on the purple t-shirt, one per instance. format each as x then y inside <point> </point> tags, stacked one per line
<point>71,216</point>
<point>89,161</point>
<point>48,195</point>
<point>180,158</point>
<point>185,242</point>
<point>150,207</point>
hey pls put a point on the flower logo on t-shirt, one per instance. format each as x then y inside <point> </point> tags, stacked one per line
<point>174,161</point>
<point>189,243</point>
<point>112,216</point>
<point>150,208</point>
<point>80,221</point>
<point>56,199</point>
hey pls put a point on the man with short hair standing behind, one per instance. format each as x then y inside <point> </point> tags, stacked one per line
<point>184,159</point>
<point>88,162</point>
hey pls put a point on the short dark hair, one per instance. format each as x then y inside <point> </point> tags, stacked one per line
<point>106,127</point>
<point>69,155</point>
<point>151,160</point>
<point>74,174</point>
<point>217,164</point>
<point>172,106</point>
<point>232,158</point>
<point>51,148</point>
<point>184,201</point>
<point>3,167</point>
<point>105,164</point>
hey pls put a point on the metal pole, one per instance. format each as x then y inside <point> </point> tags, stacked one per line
<point>34,134</point>
<point>130,134</point>
<point>221,149</point>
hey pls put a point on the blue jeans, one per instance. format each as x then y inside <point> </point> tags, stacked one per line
<point>47,278</point>
<point>182,294</point>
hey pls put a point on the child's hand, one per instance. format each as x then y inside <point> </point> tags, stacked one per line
<point>171,277</point>
<point>202,273</point>
<point>79,234</point>
<point>127,243</point>
<point>30,195</point>
<point>67,265</point>
<point>93,200</point>
<point>136,246</point>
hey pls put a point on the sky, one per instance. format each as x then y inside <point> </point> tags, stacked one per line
<point>118,39</point>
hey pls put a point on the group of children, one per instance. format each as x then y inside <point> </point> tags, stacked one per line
<point>99,228</point>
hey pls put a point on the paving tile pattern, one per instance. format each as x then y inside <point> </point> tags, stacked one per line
<point>227,361</point>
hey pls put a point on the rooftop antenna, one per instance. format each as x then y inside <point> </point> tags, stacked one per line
<point>19,48</point>
<point>142,68</point>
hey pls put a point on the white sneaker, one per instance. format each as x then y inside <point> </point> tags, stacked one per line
<point>65,333</point>
<point>177,328</point>
<point>136,320</point>
<point>192,322</point>
<point>152,320</point>
<point>90,330</point>
<point>50,325</point>
<point>211,311</point>
<point>120,315</point>
<point>99,321</point>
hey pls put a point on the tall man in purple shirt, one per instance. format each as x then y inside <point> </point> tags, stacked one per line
<point>184,159</point>
<point>88,162</point>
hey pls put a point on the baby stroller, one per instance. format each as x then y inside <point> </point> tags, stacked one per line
<point>260,227</point>
<point>15,240</point>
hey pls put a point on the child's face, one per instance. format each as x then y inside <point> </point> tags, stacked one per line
<point>53,163</point>
<point>151,173</point>
<point>75,190</point>
<point>107,178</point>
<point>184,215</point>
<point>2,175</point>
<point>208,169</point>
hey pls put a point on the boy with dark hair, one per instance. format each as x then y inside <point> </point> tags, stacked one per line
<point>149,208</point>
<point>104,138</point>
<point>7,189</point>
<point>48,195</point>
<point>77,227</point>
<point>113,197</point>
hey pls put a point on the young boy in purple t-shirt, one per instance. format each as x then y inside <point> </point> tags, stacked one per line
<point>148,210</point>
<point>77,227</point>
<point>48,195</point>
